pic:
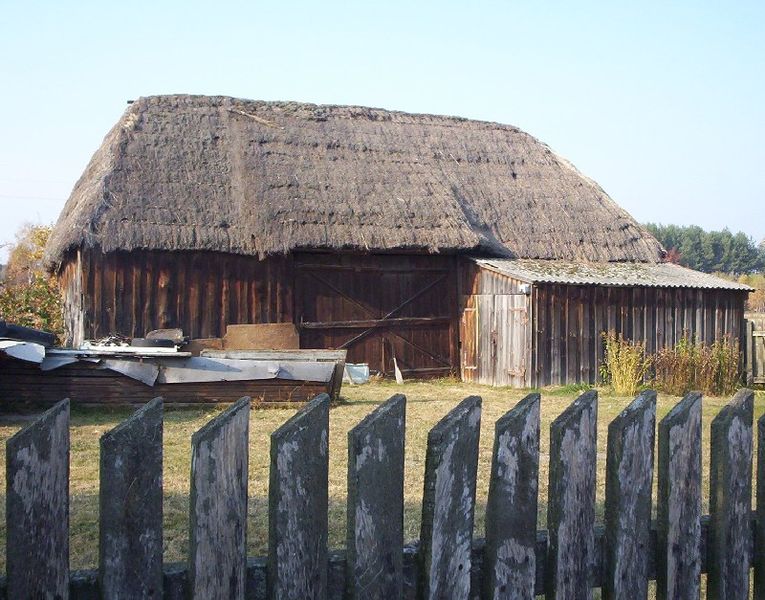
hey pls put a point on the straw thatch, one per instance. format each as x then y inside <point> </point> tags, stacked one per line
<point>257,178</point>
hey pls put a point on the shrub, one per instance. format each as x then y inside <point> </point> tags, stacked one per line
<point>625,364</point>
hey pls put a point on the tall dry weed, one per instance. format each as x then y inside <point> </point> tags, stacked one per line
<point>626,364</point>
<point>713,369</point>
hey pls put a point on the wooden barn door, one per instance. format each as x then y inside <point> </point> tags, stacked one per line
<point>380,308</point>
<point>503,350</point>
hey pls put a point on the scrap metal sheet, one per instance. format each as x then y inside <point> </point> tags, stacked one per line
<point>27,351</point>
<point>202,369</point>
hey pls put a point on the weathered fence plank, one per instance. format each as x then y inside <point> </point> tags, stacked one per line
<point>448,503</point>
<point>130,506</point>
<point>571,503</point>
<point>509,564</point>
<point>37,507</point>
<point>297,505</point>
<point>218,505</point>
<point>375,535</point>
<point>629,477</point>
<point>730,500</point>
<point>759,529</point>
<point>678,567</point>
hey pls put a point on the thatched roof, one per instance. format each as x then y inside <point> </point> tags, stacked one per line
<point>256,178</point>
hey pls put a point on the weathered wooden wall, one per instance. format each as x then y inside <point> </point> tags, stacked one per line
<point>201,292</point>
<point>569,321</point>
<point>574,556</point>
<point>379,307</point>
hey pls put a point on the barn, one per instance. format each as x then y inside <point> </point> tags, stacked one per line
<point>435,242</point>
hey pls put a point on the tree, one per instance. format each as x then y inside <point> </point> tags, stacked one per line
<point>710,251</point>
<point>29,295</point>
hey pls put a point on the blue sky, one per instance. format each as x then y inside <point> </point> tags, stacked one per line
<point>662,103</point>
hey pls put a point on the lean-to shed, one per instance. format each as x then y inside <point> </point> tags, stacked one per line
<point>353,223</point>
<point>531,323</point>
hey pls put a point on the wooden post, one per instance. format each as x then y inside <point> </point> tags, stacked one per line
<point>509,567</point>
<point>629,477</point>
<point>678,567</point>
<point>448,503</point>
<point>730,500</point>
<point>571,504</point>
<point>37,507</point>
<point>375,535</point>
<point>130,506</point>
<point>218,505</point>
<point>297,505</point>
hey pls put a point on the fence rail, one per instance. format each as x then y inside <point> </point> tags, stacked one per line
<point>569,559</point>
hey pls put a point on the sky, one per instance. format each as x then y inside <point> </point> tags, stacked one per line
<point>661,103</point>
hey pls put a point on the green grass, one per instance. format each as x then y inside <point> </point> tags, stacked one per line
<point>427,403</point>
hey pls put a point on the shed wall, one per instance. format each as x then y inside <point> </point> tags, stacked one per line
<point>569,322</point>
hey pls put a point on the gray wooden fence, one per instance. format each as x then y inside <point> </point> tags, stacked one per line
<point>754,349</point>
<point>568,560</point>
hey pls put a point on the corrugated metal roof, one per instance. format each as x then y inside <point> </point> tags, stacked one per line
<point>608,274</point>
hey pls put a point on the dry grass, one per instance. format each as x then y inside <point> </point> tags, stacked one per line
<point>427,403</point>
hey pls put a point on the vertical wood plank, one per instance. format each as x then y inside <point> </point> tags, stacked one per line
<point>297,505</point>
<point>678,564</point>
<point>37,507</point>
<point>599,325</point>
<point>586,350</point>
<point>375,535</point>
<point>555,336</point>
<point>509,568</point>
<point>218,505</point>
<point>448,503</point>
<point>650,320</point>
<point>130,506</point>
<point>730,500</point>
<point>572,334</point>
<point>759,532</point>
<point>571,504</point>
<point>629,477</point>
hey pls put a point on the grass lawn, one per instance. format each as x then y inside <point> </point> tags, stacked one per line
<point>427,403</point>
